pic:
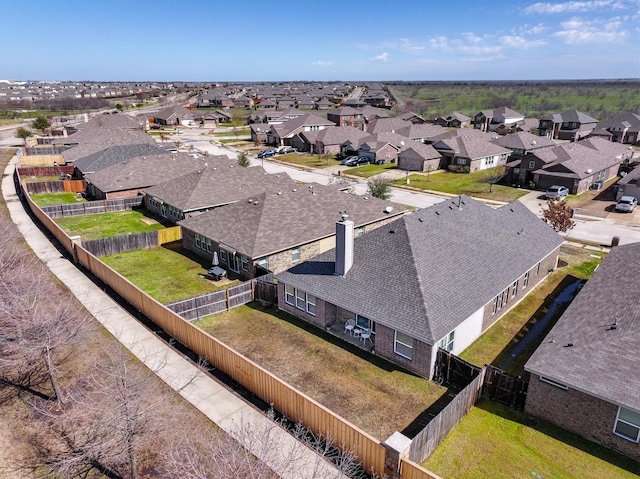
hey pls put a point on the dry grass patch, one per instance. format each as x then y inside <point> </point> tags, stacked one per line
<point>367,391</point>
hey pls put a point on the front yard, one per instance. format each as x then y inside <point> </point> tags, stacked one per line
<point>104,225</point>
<point>367,171</point>
<point>166,274</point>
<point>493,441</point>
<point>305,159</point>
<point>367,391</point>
<point>470,184</point>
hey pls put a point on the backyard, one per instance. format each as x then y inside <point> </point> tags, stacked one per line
<point>104,225</point>
<point>167,274</point>
<point>371,393</point>
<point>470,184</point>
<point>495,345</point>
<point>50,199</point>
<point>493,442</point>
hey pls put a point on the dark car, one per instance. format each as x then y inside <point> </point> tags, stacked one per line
<point>356,161</point>
<point>266,153</point>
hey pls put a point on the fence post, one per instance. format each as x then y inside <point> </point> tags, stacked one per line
<point>75,240</point>
<point>253,290</point>
<point>228,299</point>
<point>395,446</point>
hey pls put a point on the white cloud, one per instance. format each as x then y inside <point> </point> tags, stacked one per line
<point>576,6</point>
<point>531,29</point>
<point>577,31</point>
<point>518,41</point>
<point>439,43</point>
<point>410,45</point>
<point>322,63</point>
<point>383,57</point>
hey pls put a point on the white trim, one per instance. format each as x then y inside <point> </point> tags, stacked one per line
<point>553,383</point>
<point>636,426</point>
<point>408,346</point>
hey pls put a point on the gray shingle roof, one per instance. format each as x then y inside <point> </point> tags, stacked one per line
<point>428,271</point>
<point>115,154</point>
<point>602,362</point>
<point>471,147</point>
<point>524,140</point>
<point>283,218</point>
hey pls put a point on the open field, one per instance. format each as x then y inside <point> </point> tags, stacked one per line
<point>364,389</point>
<point>470,184</point>
<point>599,99</point>
<point>104,225</point>
<point>496,343</point>
<point>166,274</point>
<point>495,442</point>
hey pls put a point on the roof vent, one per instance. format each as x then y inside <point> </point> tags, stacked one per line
<point>568,345</point>
<point>388,209</point>
<point>589,170</point>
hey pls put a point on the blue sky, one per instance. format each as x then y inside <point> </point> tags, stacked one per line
<point>282,40</point>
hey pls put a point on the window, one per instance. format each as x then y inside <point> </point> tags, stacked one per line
<point>223,255</point>
<point>289,292</point>
<point>537,269</point>
<point>360,232</point>
<point>198,241</point>
<point>446,343</point>
<point>245,262</point>
<point>263,262</point>
<point>627,424</point>
<point>514,289</point>
<point>532,165</point>
<point>209,245</point>
<point>553,383</point>
<point>403,345</point>
<point>295,254</point>
<point>525,280</point>
<point>495,305</point>
<point>300,299</point>
<point>311,304</point>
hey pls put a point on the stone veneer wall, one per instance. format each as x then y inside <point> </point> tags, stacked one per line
<point>576,411</point>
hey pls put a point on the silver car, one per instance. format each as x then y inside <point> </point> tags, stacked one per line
<point>554,192</point>
<point>627,204</point>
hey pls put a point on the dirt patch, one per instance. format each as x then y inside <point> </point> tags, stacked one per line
<point>149,221</point>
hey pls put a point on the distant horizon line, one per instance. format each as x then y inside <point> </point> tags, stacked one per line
<point>558,80</point>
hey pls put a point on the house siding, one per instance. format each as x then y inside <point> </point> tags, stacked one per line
<point>546,264</point>
<point>421,362</point>
<point>321,319</point>
<point>579,412</point>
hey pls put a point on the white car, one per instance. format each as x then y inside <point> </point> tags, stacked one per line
<point>627,204</point>
<point>556,192</point>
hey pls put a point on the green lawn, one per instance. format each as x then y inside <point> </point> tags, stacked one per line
<point>312,161</point>
<point>104,225</point>
<point>49,199</point>
<point>166,274</point>
<point>470,184</point>
<point>495,343</point>
<point>230,133</point>
<point>494,442</point>
<point>367,171</point>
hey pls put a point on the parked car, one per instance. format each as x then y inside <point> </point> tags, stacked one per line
<point>356,161</point>
<point>348,160</point>
<point>286,149</point>
<point>363,161</point>
<point>266,153</point>
<point>626,204</point>
<point>555,192</point>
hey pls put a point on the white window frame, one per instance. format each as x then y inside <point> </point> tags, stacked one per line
<point>224,255</point>
<point>514,289</point>
<point>244,259</point>
<point>198,241</point>
<point>553,383</point>
<point>289,294</point>
<point>209,245</point>
<point>525,280</point>
<point>311,304</point>
<point>532,164</point>
<point>627,422</point>
<point>396,341</point>
<point>295,254</point>
<point>301,299</point>
<point>446,343</point>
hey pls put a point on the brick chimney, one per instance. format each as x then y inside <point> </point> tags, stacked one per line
<point>344,245</point>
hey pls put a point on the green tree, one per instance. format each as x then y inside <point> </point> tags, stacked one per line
<point>379,187</point>
<point>243,159</point>
<point>119,107</point>
<point>24,133</point>
<point>41,123</point>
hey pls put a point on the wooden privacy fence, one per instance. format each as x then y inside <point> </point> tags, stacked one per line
<point>39,160</point>
<point>45,150</point>
<point>132,242</point>
<point>66,186</point>
<point>92,207</point>
<point>193,309</point>
<point>28,171</point>
<point>505,388</point>
<point>440,426</point>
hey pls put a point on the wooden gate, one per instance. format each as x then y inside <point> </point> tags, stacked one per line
<point>453,371</point>
<point>505,388</point>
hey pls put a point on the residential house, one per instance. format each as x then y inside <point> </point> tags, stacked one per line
<point>622,128</point>
<point>579,166</point>
<point>324,104</point>
<point>570,125</point>
<point>398,282</point>
<point>266,105</point>
<point>281,134</point>
<point>346,116</point>
<point>380,147</point>
<point>328,140</point>
<point>629,185</point>
<point>243,102</point>
<point>211,118</point>
<point>386,125</point>
<point>277,228</point>
<point>491,120</point>
<point>89,141</point>
<point>453,120</point>
<point>472,152</point>
<point>417,156</point>
<point>584,374</point>
<point>174,115</point>
<point>421,132</point>
<point>523,143</point>
<point>259,132</point>
<point>412,117</point>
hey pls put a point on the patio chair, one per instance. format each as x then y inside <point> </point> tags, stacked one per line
<point>366,335</point>
<point>349,325</point>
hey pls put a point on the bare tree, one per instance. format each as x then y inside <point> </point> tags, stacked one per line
<point>493,176</point>
<point>558,215</point>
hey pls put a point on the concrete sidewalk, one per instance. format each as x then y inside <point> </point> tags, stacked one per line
<point>286,456</point>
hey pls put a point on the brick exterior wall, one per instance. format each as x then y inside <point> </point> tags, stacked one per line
<point>550,262</point>
<point>322,307</point>
<point>384,343</point>
<point>581,413</point>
